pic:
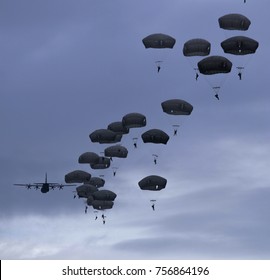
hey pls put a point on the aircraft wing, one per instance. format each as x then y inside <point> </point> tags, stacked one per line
<point>59,186</point>
<point>29,186</point>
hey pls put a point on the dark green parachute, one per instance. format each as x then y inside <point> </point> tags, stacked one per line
<point>196,47</point>
<point>89,200</point>
<point>133,120</point>
<point>97,182</point>
<point>103,163</point>
<point>104,136</point>
<point>102,204</point>
<point>159,41</point>
<point>214,65</point>
<point>104,195</point>
<point>155,136</point>
<point>88,157</point>
<point>234,22</point>
<point>77,176</point>
<point>153,183</point>
<point>176,107</point>
<point>116,151</point>
<point>118,128</point>
<point>239,45</point>
<point>86,190</point>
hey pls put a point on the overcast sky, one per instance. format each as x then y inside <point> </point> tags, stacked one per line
<point>69,67</point>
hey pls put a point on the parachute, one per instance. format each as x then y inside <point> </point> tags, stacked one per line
<point>104,195</point>
<point>103,163</point>
<point>105,136</point>
<point>88,157</point>
<point>155,136</point>
<point>116,151</point>
<point>153,183</point>
<point>214,65</point>
<point>102,204</point>
<point>133,120</point>
<point>77,176</point>
<point>239,45</point>
<point>159,41</point>
<point>97,182</point>
<point>196,47</point>
<point>118,128</point>
<point>176,107</point>
<point>86,190</point>
<point>234,22</point>
<point>89,200</point>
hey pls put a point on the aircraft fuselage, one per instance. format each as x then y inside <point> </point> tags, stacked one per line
<point>45,188</point>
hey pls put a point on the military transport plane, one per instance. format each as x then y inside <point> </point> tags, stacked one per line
<point>44,187</point>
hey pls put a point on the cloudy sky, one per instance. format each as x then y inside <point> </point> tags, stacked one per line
<point>69,67</point>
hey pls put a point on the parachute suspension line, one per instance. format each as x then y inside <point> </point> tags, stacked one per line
<point>216,88</point>
<point>241,68</point>
<point>196,69</point>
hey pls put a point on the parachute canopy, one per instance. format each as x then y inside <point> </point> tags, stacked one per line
<point>155,136</point>
<point>118,128</point>
<point>104,136</point>
<point>88,157</point>
<point>176,107</point>
<point>77,176</point>
<point>153,183</point>
<point>104,195</point>
<point>196,47</point>
<point>89,200</point>
<point>134,120</point>
<point>116,151</point>
<point>214,65</point>
<point>103,163</point>
<point>234,22</point>
<point>102,204</point>
<point>159,41</point>
<point>85,190</point>
<point>239,45</point>
<point>97,182</point>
